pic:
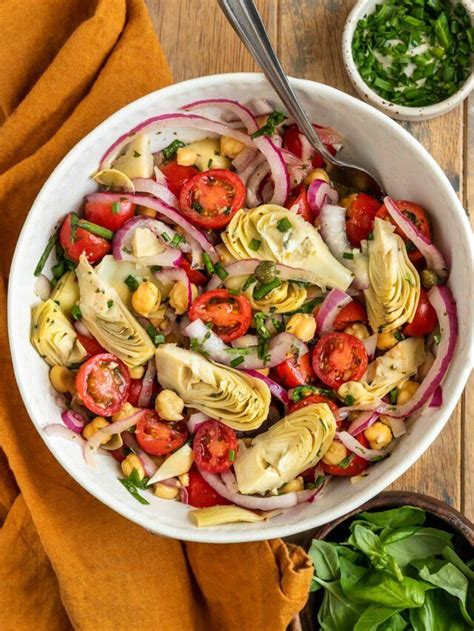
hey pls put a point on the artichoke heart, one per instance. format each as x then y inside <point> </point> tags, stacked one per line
<point>290,446</point>
<point>228,395</point>
<point>137,161</point>
<point>284,238</point>
<point>66,292</point>
<point>392,297</point>
<point>382,375</point>
<point>54,337</point>
<point>109,320</point>
<point>287,297</point>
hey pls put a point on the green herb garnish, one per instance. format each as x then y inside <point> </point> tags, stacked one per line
<point>261,326</point>
<point>347,255</point>
<point>133,483</point>
<point>273,121</point>
<point>255,244</point>
<point>170,151</point>
<point>47,251</point>
<point>93,228</point>
<point>231,455</point>
<point>261,290</point>
<point>132,282</point>
<point>156,338</point>
<point>177,240</point>
<point>76,312</point>
<point>237,361</point>
<point>115,208</point>
<point>208,263</point>
<point>110,303</point>
<point>220,271</point>
<point>284,224</point>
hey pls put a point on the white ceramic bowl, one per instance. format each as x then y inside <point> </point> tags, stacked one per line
<point>361,9</point>
<point>373,141</point>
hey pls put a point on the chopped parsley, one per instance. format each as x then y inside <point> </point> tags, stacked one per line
<point>349,400</point>
<point>133,484</point>
<point>275,119</point>
<point>110,303</point>
<point>131,282</point>
<point>170,151</point>
<point>153,334</point>
<point>76,312</point>
<point>347,255</point>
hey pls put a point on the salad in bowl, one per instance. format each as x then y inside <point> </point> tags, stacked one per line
<point>229,325</point>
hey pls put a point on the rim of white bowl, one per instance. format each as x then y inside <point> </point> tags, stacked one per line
<point>399,112</point>
<point>221,534</point>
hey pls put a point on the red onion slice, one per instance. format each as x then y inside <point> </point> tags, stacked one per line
<point>82,329</point>
<point>280,348</point>
<point>397,425</point>
<point>353,445</point>
<point>362,422</point>
<point>195,420</point>
<point>148,463</point>
<point>163,209</point>
<point>114,428</point>
<point>437,398</point>
<point>166,121</point>
<point>147,185</point>
<point>244,341</point>
<point>244,159</point>
<point>370,344</point>
<point>320,193</point>
<point>42,287</point>
<point>260,106</point>
<point>275,388</point>
<point>254,183</point>
<point>434,259</point>
<point>56,429</point>
<point>146,391</point>
<point>443,303</point>
<point>176,275</point>
<point>74,420</point>
<point>160,176</point>
<point>332,305</point>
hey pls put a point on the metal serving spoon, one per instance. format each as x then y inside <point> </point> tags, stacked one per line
<point>247,23</point>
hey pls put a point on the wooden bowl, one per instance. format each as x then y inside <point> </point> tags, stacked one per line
<point>438,515</point>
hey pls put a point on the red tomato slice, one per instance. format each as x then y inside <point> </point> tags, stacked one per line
<point>74,244</point>
<point>194,275</point>
<point>360,218</point>
<point>134,391</point>
<point>339,357</point>
<point>102,384</point>
<point>200,494</point>
<point>215,447</point>
<point>418,216</point>
<point>300,200</point>
<point>315,398</point>
<point>159,438</point>
<point>292,142</point>
<point>211,198</point>
<point>176,175</point>
<point>353,312</point>
<point>355,464</point>
<point>111,215</point>
<point>425,318</point>
<point>294,373</point>
<point>230,315</point>
<point>91,345</point>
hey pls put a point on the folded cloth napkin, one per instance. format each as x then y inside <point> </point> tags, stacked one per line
<point>67,561</point>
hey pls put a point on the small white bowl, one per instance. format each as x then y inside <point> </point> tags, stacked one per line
<point>372,140</point>
<point>361,9</point>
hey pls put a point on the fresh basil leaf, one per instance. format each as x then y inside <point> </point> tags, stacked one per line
<point>438,613</point>
<point>396,623</point>
<point>453,581</point>
<point>371,545</point>
<point>373,617</point>
<point>425,543</point>
<point>450,555</point>
<point>350,554</point>
<point>365,585</point>
<point>396,518</point>
<point>337,613</point>
<point>325,560</point>
<point>388,535</point>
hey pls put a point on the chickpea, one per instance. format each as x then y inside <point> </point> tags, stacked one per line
<point>62,379</point>
<point>136,372</point>
<point>231,147</point>
<point>126,410</point>
<point>184,479</point>
<point>225,256</point>
<point>293,485</point>
<point>186,156</point>
<point>358,330</point>
<point>335,454</point>
<point>406,391</point>
<point>179,296</point>
<point>165,492</point>
<point>379,435</point>
<point>169,406</point>
<point>146,299</point>
<point>302,325</point>
<point>347,201</point>
<point>386,340</point>
<point>264,371</point>
<point>147,212</point>
<point>316,174</point>
<point>91,428</point>
<point>131,463</point>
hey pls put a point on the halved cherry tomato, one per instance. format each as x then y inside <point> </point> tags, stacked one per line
<point>295,372</point>
<point>299,199</point>
<point>425,318</point>
<point>134,391</point>
<point>102,384</point>
<point>214,446</point>
<point>194,275</point>
<point>292,142</point>
<point>211,198</point>
<point>353,312</point>
<point>111,215</point>
<point>78,241</point>
<point>159,438</point>
<point>230,315</point>
<point>200,494</point>
<point>355,464</point>
<point>176,175</point>
<point>339,357</point>
<point>315,398</point>
<point>418,216</point>
<point>91,345</point>
<point>360,218</point>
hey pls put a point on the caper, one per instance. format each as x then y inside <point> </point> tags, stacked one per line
<point>429,278</point>
<point>265,271</point>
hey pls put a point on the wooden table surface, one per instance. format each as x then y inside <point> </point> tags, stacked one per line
<point>197,41</point>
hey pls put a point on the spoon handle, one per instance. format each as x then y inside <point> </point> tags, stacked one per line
<point>247,23</point>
